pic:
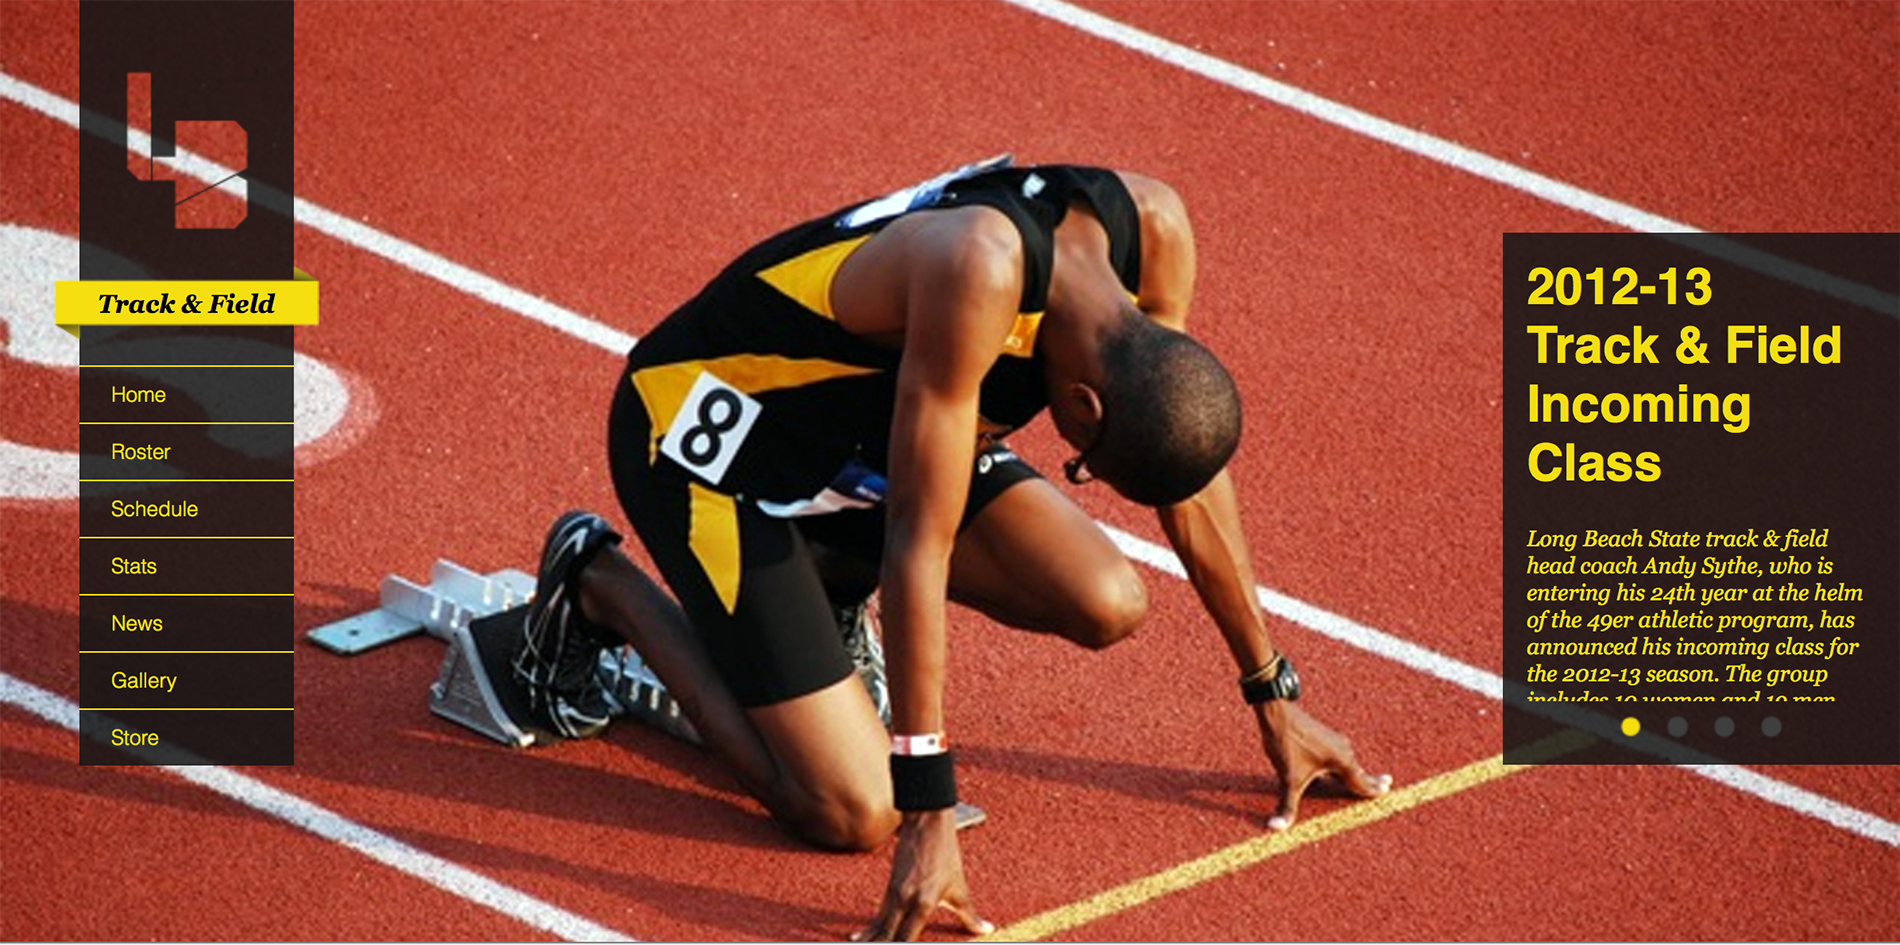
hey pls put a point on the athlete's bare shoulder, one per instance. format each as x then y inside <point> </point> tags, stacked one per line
<point>1167,249</point>
<point>973,250</point>
<point>1152,195</point>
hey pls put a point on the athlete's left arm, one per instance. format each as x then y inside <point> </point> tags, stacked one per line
<point>1205,529</point>
<point>1206,533</point>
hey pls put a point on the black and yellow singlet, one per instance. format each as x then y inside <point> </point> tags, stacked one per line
<point>754,388</point>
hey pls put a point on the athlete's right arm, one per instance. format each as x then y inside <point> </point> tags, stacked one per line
<point>963,283</point>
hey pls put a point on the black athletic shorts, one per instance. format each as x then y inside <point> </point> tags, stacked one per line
<point>749,582</point>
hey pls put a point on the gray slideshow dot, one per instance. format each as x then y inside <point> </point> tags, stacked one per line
<point>1678,727</point>
<point>1771,726</point>
<point>1725,726</point>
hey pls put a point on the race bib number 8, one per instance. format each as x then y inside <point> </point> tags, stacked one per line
<point>710,427</point>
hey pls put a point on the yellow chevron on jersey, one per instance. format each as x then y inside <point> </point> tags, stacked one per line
<point>1021,342</point>
<point>806,278</point>
<point>663,387</point>
<point>713,536</point>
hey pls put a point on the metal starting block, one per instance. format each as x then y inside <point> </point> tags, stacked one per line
<point>449,608</point>
<point>453,598</point>
<point>480,617</point>
<point>475,687</point>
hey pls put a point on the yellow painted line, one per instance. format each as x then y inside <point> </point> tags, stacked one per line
<point>1259,849</point>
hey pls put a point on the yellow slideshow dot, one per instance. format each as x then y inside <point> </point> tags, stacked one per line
<point>1631,726</point>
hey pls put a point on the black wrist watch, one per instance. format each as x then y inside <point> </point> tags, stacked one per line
<point>1276,680</point>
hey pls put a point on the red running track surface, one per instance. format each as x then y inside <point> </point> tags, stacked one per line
<point>609,158</point>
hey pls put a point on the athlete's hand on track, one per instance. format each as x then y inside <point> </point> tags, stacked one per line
<point>926,874</point>
<point>1302,750</point>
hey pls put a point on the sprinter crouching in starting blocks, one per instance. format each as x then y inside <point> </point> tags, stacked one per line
<point>825,419</point>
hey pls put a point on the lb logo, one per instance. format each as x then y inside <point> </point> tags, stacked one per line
<point>193,158</point>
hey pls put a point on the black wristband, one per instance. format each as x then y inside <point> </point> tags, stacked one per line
<point>924,782</point>
<point>1282,683</point>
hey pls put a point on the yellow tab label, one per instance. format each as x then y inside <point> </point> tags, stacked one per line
<point>185,302</point>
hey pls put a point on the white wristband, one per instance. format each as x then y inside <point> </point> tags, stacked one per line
<point>915,745</point>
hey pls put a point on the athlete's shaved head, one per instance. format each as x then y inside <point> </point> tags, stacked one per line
<point>1170,412</point>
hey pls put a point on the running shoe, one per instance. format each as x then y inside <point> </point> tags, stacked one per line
<point>858,626</point>
<point>560,649</point>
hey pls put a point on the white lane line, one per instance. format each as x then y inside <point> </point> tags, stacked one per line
<point>1452,154</point>
<point>454,274</point>
<point>330,825</point>
<point>1352,119</point>
<point>1328,624</point>
<point>1850,819</point>
<point>1314,618</point>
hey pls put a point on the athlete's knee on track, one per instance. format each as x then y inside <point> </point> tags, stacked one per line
<point>1106,608</point>
<point>848,819</point>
